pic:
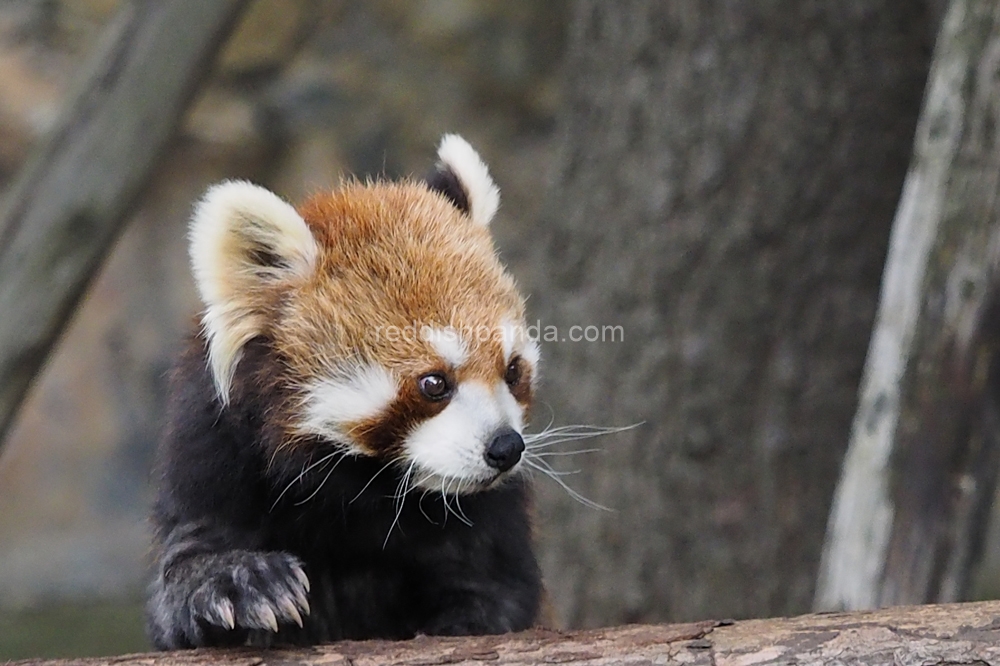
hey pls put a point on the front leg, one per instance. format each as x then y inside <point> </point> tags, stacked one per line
<point>208,594</point>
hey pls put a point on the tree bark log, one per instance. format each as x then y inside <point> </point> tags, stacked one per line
<point>925,635</point>
<point>920,471</point>
<point>66,207</point>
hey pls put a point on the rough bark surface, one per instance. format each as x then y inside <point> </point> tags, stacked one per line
<point>725,190</point>
<point>926,635</point>
<point>68,204</point>
<point>921,469</point>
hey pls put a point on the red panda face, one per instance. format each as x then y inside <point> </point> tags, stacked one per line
<point>399,332</point>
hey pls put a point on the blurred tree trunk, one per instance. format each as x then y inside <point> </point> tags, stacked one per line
<point>921,469</point>
<point>70,200</point>
<point>725,190</point>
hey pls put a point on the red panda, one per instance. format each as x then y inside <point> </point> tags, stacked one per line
<point>344,446</point>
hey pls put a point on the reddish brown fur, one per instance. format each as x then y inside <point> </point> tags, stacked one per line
<point>521,389</point>
<point>392,256</point>
<point>384,434</point>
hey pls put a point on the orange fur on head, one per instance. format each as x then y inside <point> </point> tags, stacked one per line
<point>394,255</point>
<point>394,258</point>
<point>362,291</point>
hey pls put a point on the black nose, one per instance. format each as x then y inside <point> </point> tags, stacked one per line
<point>505,450</point>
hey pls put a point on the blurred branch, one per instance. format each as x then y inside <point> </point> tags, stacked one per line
<point>918,479</point>
<point>68,204</point>
<point>957,634</point>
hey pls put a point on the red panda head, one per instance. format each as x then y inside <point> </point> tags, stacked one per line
<point>398,332</point>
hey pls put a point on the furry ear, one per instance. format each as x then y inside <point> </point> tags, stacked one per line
<point>462,176</point>
<point>244,239</point>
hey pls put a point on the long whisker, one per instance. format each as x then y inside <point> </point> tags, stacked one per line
<point>554,472</point>
<point>420,505</point>
<point>444,499</point>
<point>374,476</point>
<point>403,487</point>
<point>551,454</point>
<point>540,437</point>
<point>446,484</point>
<point>401,491</point>
<point>547,444</point>
<point>550,430</point>
<point>549,472</point>
<point>323,482</point>
<point>537,445</point>
<point>305,470</point>
<point>552,416</point>
<point>548,467</point>
<point>586,427</point>
<point>461,514</point>
<point>575,432</point>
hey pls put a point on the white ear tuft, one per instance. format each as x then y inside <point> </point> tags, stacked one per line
<point>243,239</point>
<point>462,160</point>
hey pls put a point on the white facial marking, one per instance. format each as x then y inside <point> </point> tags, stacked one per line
<point>484,197</point>
<point>510,335</point>
<point>448,344</point>
<point>449,448</point>
<point>509,407</point>
<point>532,355</point>
<point>347,397</point>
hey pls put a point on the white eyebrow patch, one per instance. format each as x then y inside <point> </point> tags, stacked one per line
<point>448,344</point>
<point>531,353</point>
<point>351,395</point>
<point>509,334</point>
<point>515,339</point>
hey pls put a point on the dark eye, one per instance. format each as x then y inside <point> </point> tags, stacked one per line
<point>434,386</point>
<point>513,374</point>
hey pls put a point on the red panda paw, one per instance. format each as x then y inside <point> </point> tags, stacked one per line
<point>229,598</point>
<point>254,591</point>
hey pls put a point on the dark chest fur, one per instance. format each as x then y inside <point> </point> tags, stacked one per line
<point>234,516</point>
